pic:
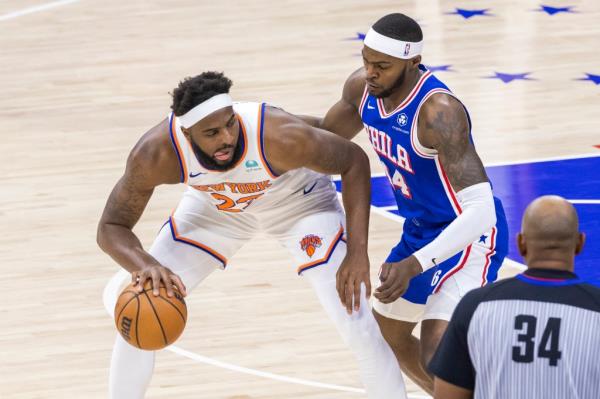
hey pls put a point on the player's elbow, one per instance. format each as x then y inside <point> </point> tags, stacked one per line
<point>101,235</point>
<point>359,157</point>
<point>104,234</point>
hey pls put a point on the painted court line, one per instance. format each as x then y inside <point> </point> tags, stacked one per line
<point>31,10</point>
<point>585,201</point>
<point>549,159</point>
<point>277,377</point>
<point>263,374</point>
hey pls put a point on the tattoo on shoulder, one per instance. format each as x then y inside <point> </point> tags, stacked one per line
<point>456,152</point>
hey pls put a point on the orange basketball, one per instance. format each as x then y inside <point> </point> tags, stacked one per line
<point>150,322</point>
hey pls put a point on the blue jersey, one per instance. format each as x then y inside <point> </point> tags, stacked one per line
<point>423,192</point>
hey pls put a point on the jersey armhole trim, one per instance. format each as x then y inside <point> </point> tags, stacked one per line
<point>177,148</point>
<point>363,100</point>
<point>261,142</point>
<point>419,148</point>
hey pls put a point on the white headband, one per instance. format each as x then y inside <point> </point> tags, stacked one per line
<point>395,48</point>
<point>204,109</point>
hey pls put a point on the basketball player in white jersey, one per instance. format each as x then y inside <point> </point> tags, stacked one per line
<point>248,167</point>
<point>455,235</point>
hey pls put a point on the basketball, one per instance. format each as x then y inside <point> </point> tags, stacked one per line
<point>150,322</point>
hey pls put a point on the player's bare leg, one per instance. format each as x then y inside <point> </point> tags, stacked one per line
<point>408,349</point>
<point>432,331</point>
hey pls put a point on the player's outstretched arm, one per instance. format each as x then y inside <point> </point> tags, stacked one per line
<point>443,126</point>
<point>291,144</point>
<point>343,118</point>
<point>149,164</point>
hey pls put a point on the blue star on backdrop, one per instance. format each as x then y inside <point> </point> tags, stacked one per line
<point>466,14</point>
<point>509,77</point>
<point>440,68</point>
<point>591,78</point>
<point>555,10</point>
<point>359,36</point>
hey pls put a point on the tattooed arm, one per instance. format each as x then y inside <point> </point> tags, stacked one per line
<point>152,162</point>
<point>443,128</point>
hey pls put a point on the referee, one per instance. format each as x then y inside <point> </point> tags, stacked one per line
<point>536,335</point>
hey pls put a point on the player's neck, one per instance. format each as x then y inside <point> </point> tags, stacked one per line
<point>396,98</point>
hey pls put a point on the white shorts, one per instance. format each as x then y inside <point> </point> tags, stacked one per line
<point>439,306</point>
<point>435,293</point>
<point>310,227</point>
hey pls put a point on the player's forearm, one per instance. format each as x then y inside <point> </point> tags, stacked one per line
<point>356,195</point>
<point>478,216</point>
<point>121,244</point>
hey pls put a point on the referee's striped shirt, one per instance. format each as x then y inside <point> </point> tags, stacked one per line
<point>536,335</point>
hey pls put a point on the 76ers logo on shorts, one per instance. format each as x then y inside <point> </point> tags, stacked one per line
<point>310,243</point>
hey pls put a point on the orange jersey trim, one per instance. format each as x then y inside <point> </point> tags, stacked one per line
<point>178,150</point>
<point>245,138</point>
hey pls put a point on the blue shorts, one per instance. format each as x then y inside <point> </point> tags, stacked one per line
<point>485,254</point>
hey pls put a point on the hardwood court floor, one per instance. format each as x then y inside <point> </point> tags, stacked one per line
<point>82,81</point>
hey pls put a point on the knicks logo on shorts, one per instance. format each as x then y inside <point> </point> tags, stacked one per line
<point>310,243</point>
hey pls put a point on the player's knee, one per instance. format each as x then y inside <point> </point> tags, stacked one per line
<point>360,330</point>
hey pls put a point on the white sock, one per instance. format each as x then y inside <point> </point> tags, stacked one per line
<point>130,371</point>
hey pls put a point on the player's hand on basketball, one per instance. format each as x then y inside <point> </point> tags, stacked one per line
<point>353,272</point>
<point>157,274</point>
<point>395,278</point>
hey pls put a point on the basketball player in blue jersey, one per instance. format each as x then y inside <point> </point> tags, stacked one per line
<point>249,167</point>
<point>455,234</point>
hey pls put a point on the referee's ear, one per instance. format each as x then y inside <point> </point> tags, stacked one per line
<point>521,245</point>
<point>580,242</point>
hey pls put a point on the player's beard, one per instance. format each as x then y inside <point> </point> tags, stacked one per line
<point>209,162</point>
<point>397,84</point>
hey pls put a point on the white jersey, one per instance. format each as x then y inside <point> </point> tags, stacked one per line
<point>221,210</point>
<point>250,185</point>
